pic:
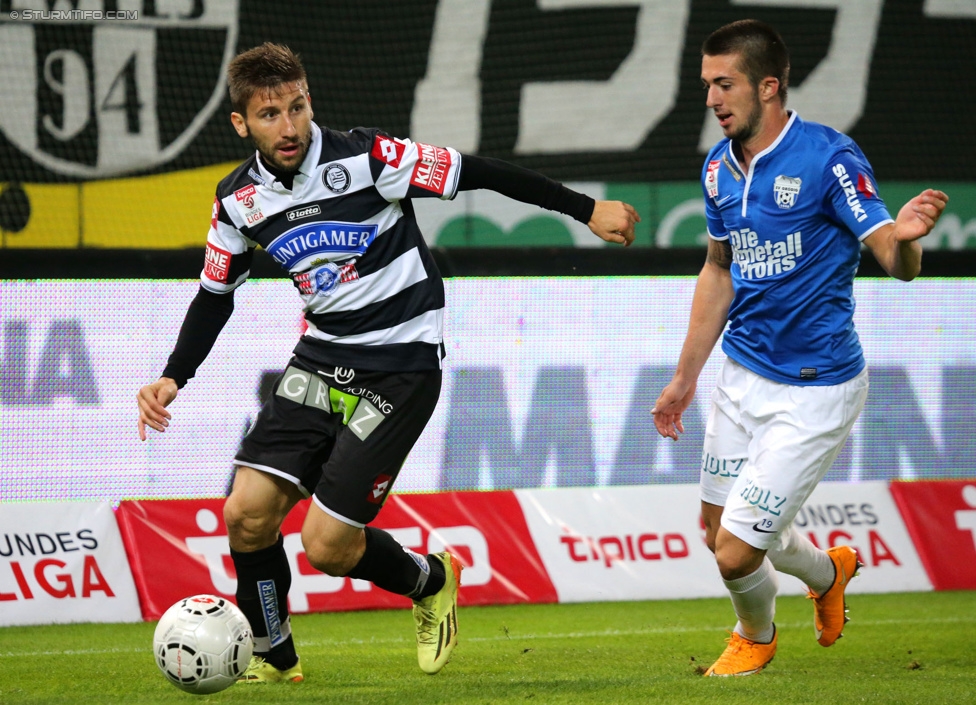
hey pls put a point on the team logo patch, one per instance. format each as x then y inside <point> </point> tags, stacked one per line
<point>433,163</point>
<point>388,150</point>
<point>711,178</point>
<point>216,264</point>
<point>247,203</point>
<point>80,97</point>
<point>865,186</point>
<point>300,213</point>
<point>786,189</point>
<point>381,487</point>
<point>336,178</point>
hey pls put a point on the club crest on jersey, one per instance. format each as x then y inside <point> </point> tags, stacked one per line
<point>786,189</point>
<point>336,178</point>
<point>711,178</point>
<point>247,203</point>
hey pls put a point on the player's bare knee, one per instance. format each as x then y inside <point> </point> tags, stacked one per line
<point>734,564</point>
<point>329,558</point>
<point>249,530</point>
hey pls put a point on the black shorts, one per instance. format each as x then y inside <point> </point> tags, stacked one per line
<point>341,434</point>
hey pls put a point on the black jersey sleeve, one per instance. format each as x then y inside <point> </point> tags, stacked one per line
<point>202,324</point>
<point>523,185</point>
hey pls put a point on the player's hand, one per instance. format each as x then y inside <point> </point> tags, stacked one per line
<point>153,400</point>
<point>614,221</point>
<point>917,217</point>
<point>674,399</point>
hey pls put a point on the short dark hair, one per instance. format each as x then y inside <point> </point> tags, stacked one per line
<point>263,67</point>
<point>762,52</point>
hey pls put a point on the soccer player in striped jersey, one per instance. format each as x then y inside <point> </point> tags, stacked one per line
<point>789,204</point>
<point>334,210</point>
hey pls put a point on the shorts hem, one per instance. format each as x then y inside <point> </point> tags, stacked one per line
<point>336,515</point>
<point>716,498</point>
<point>276,473</point>
<point>765,541</point>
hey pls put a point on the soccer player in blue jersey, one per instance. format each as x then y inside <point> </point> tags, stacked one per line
<point>789,204</point>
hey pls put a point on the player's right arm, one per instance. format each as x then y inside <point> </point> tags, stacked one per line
<point>709,314</point>
<point>153,400</point>
<point>226,266</point>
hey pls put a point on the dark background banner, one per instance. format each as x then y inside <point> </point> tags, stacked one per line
<point>91,99</point>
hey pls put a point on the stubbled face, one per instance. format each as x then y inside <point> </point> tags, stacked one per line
<point>279,121</point>
<point>733,99</point>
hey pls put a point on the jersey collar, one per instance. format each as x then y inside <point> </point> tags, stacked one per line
<point>304,170</point>
<point>794,118</point>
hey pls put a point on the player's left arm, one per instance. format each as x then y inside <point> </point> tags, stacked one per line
<point>405,169</point>
<point>612,221</point>
<point>896,245</point>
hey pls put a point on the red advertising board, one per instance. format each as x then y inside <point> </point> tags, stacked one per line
<point>179,547</point>
<point>941,518</point>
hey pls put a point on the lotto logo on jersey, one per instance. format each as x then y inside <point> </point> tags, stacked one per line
<point>388,150</point>
<point>711,178</point>
<point>432,166</point>
<point>216,264</point>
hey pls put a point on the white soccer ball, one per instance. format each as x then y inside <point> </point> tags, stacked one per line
<point>202,644</point>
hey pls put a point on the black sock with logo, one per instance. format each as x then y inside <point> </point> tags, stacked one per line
<point>263,581</point>
<point>396,569</point>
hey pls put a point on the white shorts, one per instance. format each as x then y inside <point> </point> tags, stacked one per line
<point>768,444</point>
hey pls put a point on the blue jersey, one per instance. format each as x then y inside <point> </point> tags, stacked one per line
<point>795,221</point>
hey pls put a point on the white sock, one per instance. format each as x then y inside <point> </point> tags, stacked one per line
<point>794,554</point>
<point>754,600</point>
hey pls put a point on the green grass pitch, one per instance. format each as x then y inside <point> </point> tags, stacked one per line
<point>898,648</point>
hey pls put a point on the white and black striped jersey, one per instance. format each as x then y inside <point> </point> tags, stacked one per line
<point>346,233</point>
